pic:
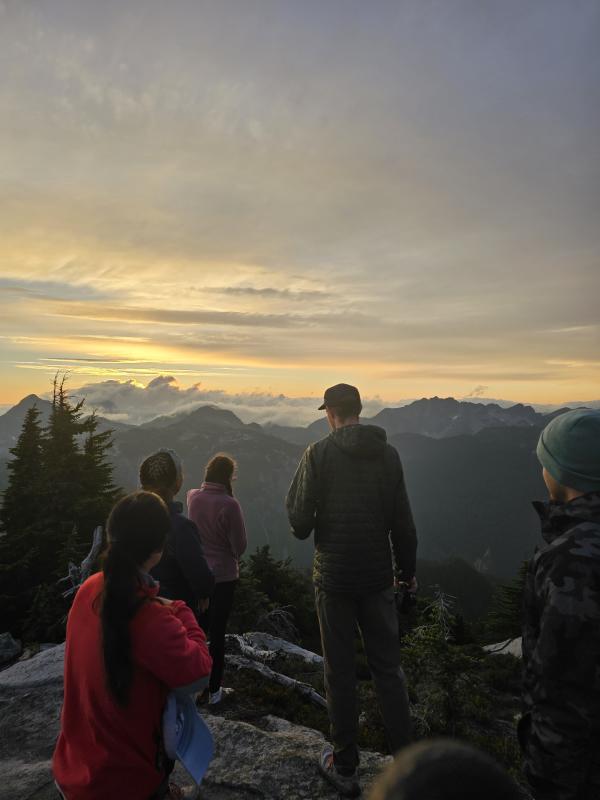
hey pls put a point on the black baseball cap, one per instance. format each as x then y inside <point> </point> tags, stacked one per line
<point>339,395</point>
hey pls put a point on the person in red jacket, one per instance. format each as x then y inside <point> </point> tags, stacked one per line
<point>126,648</point>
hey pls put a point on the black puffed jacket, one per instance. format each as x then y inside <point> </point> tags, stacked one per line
<point>349,488</point>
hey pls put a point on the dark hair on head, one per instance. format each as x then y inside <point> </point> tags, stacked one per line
<point>220,469</point>
<point>160,472</point>
<point>346,410</point>
<point>137,527</point>
<point>444,769</point>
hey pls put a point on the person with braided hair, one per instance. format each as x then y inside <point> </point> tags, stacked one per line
<point>182,572</point>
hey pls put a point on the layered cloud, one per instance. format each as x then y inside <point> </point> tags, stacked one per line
<point>277,196</point>
<point>135,403</point>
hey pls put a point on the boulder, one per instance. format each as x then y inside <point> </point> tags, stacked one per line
<point>45,667</point>
<point>30,702</point>
<point>280,623</point>
<point>9,648</point>
<point>272,759</point>
<point>277,761</point>
<point>512,647</point>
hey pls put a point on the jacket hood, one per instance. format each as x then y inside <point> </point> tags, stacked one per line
<point>360,441</point>
<point>557,518</point>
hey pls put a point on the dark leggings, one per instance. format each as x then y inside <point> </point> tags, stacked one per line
<point>214,623</point>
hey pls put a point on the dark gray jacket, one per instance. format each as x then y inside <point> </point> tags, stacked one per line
<point>349,488</point>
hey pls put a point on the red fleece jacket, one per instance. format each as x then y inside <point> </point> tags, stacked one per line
<point>104,750</point>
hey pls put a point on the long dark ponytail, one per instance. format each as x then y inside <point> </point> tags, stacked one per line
<point>137,528</point>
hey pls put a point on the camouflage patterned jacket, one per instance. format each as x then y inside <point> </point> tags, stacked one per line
<point>561,653</point>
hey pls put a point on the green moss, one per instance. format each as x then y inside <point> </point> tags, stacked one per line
<point>254,698</point>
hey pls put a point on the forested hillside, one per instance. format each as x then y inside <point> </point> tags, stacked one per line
<point>471,493</point>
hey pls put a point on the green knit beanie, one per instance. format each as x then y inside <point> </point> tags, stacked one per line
<point>569,448</point>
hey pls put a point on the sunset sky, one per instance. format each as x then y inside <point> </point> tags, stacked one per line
<point>270,197</point>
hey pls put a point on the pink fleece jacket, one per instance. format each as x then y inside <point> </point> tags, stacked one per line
<point>221,527</point>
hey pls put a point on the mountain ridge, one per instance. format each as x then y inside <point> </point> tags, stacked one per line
<point>470,484</point>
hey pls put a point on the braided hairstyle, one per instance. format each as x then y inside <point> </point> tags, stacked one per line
<point>137,528</point>
<point>220,469</point>
<point>161,473</point>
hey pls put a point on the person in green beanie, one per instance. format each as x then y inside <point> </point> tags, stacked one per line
<point>560,729</point>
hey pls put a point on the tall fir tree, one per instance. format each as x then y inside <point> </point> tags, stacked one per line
<point>60,497</point>
<point>505,618</point>
<point>72,493</point>
<point>24,473</point>
<point>98,492</point>
<point>20,565</point>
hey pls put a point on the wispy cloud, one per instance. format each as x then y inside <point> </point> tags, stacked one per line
<point>13,288</point>
<point>413,202</point>
<point>176,316</point>
<point>478,391</point>
<point>268,293</point>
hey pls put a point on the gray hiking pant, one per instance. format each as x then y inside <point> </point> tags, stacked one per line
<point>378,623</point>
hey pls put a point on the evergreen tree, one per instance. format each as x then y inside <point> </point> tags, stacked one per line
<point>24,471</point>
<point>20,566</point>
<point>506,613</point>
<point>286,587</point>
<point>60,488</point>
<point>61,498</point>
<point>98,492</point>
<point>46,618</point>
<point>250,603</point>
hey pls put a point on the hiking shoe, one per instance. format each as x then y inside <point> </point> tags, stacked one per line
<point>216,697</point>
<point>347,785</point>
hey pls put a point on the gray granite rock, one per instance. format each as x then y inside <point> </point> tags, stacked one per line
<point>45,667</point>
<point>513,647</point>
<point>273,760</point>
<point>9,648</point>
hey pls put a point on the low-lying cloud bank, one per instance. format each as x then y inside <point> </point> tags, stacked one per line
<point>131,402</point>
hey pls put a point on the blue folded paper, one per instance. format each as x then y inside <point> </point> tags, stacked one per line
<point>186,736</point>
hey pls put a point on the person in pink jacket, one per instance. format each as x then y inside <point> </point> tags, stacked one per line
<point>220,523</point>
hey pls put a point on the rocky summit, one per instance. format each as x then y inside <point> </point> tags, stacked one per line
<point>271,758</point>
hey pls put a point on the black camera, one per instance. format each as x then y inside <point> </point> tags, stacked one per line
<point>405,600</point>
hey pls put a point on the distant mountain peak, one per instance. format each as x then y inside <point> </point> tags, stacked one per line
<point>12,420</point>
<point>28,401</point>
<point>19,410</point>
<point>206,414</point>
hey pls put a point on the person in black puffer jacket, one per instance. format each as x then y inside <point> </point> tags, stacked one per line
<point>182,571</point>
<point>349,488</point>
